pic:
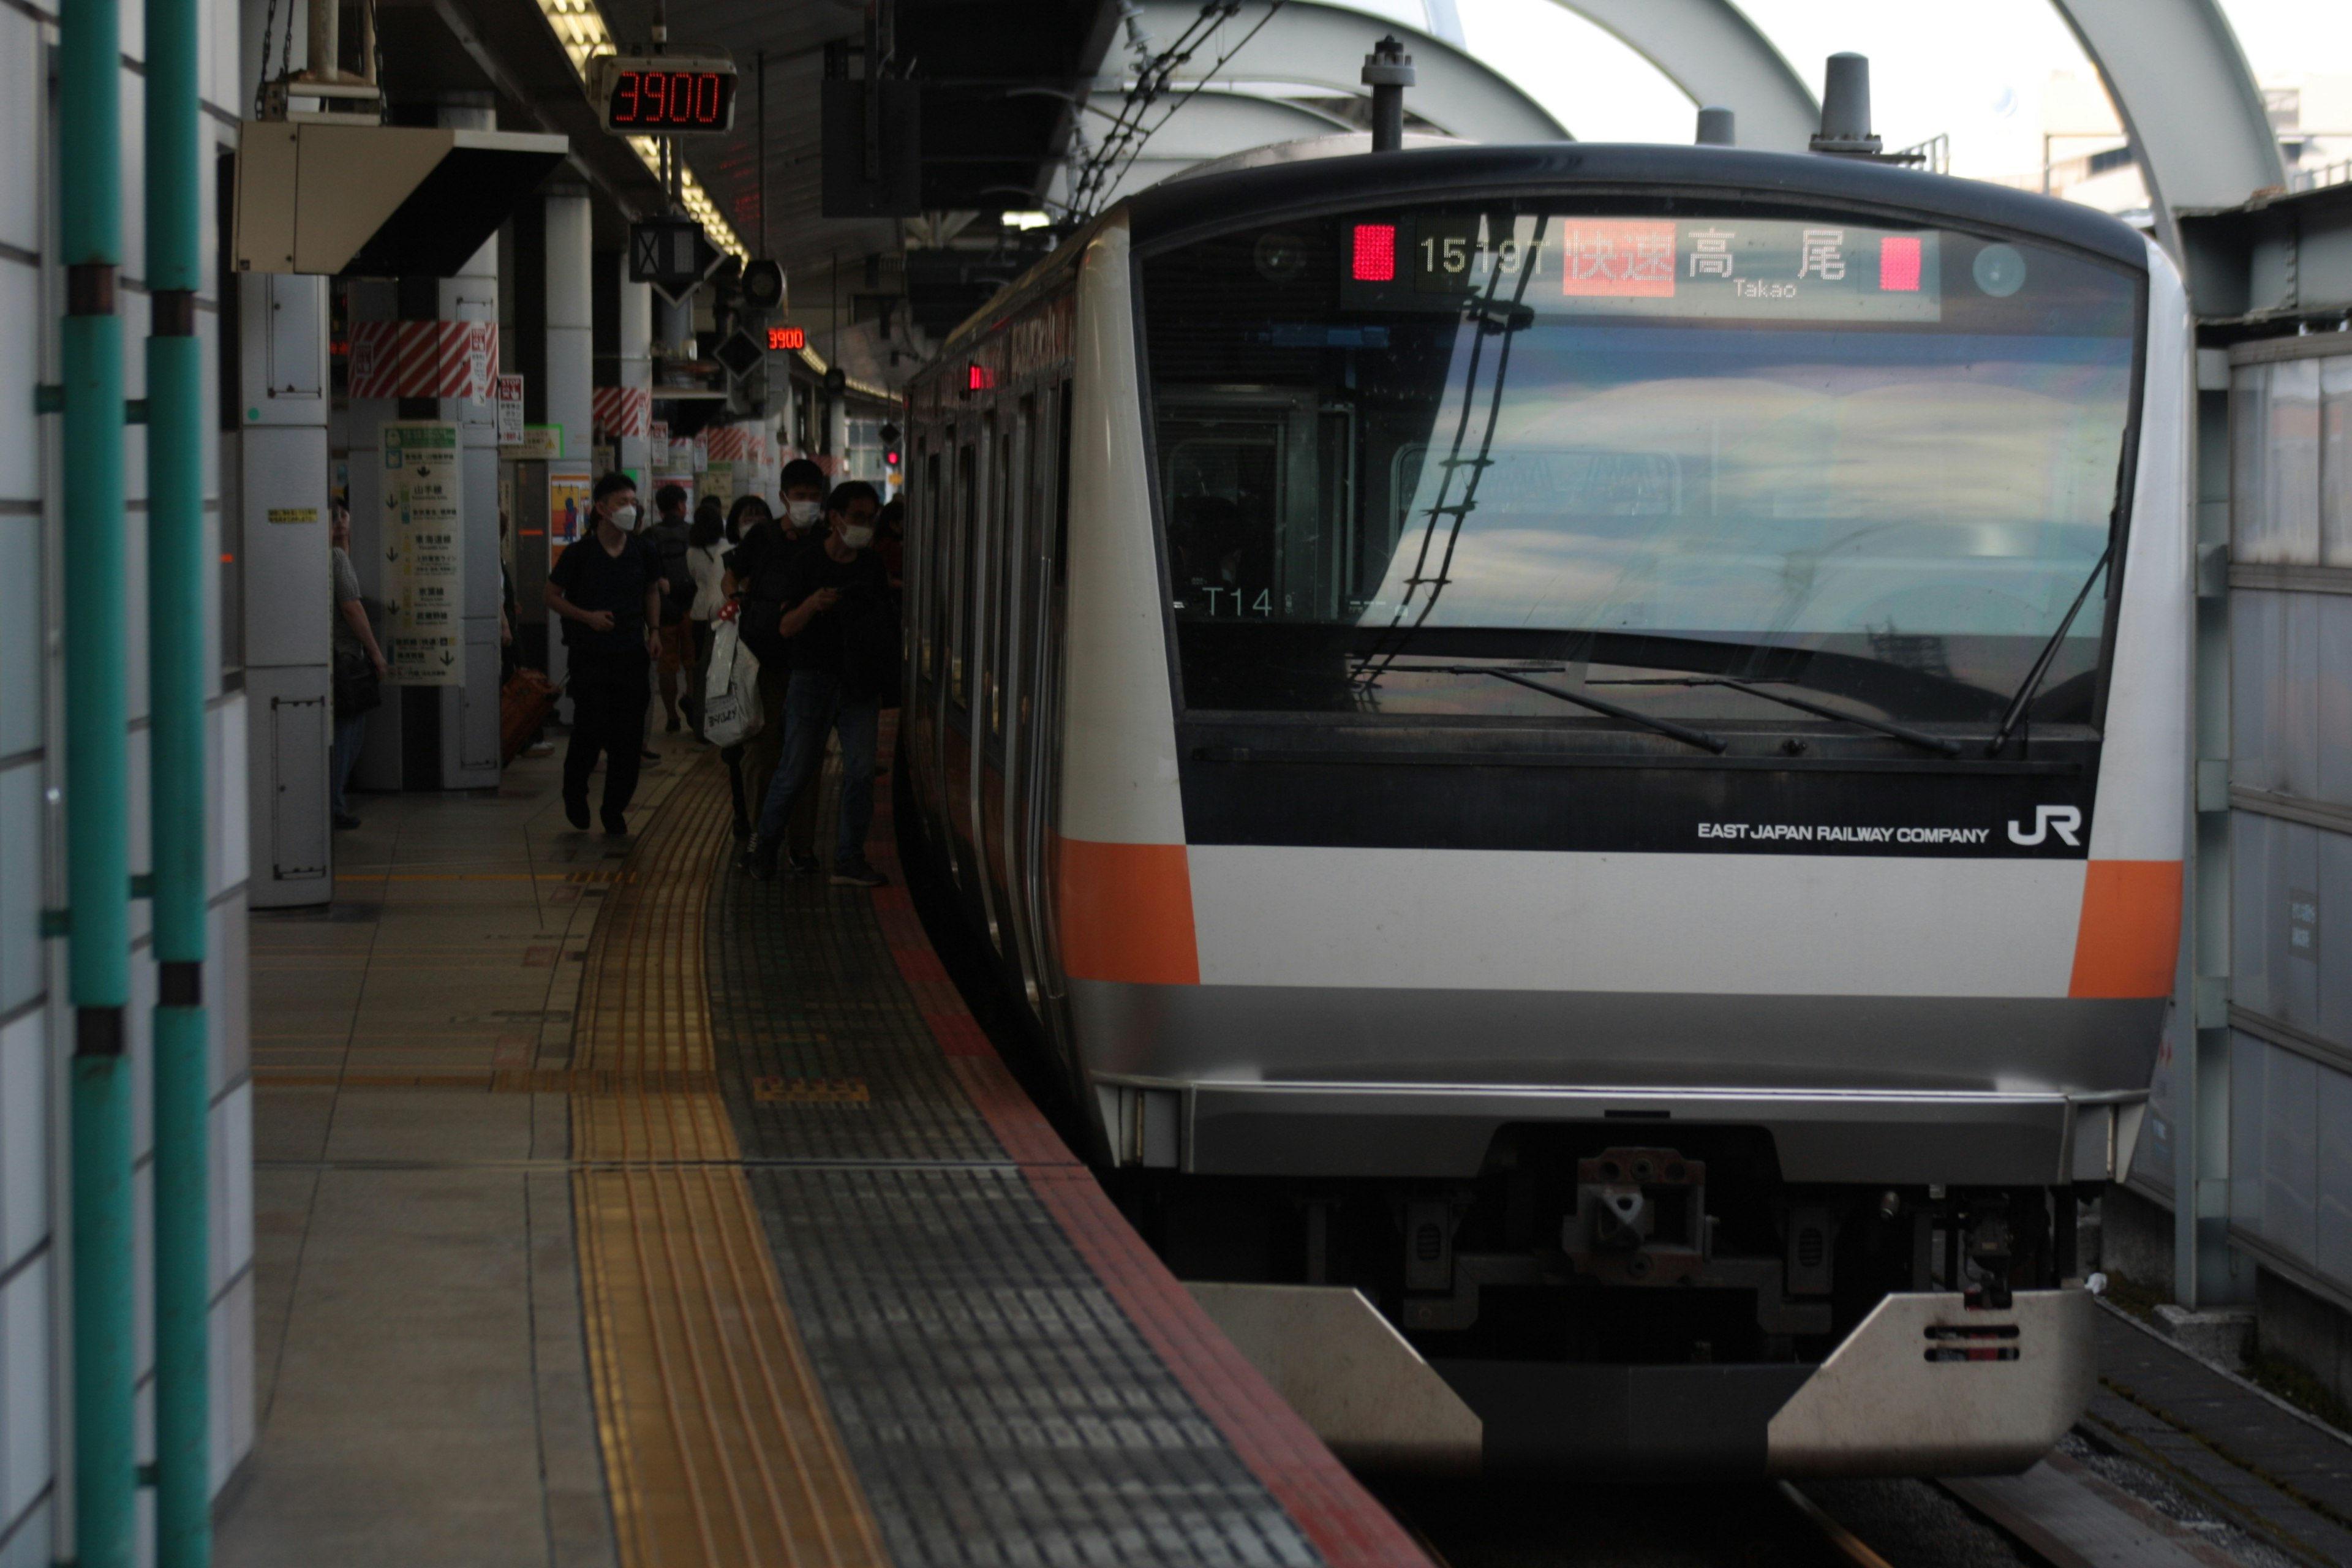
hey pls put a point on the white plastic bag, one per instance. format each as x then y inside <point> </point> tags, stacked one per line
<point>731,696</point>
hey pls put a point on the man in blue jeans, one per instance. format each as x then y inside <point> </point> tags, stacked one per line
<point>840,627</point>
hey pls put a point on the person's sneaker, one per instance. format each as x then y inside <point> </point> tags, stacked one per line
<point>672,726</point>
<point>648,755</point>
<point>858,874</point>
<point>759,858</point>
<point>616,826</point>
<point>802,864</point>
<point>345,821</point>
<point>576,812</point>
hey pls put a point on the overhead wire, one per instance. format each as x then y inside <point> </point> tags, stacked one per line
<point>1117,152</point>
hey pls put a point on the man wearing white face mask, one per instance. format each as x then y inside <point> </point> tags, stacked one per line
<point>756,570</point>
<point>841,624</point>
<point>607,588</point>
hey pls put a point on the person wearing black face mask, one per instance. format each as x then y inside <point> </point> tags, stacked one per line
<point>607,587</point>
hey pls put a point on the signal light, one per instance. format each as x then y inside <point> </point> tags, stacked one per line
<point>1899,263</point>
<point>890,458</point>
<point>1374,254</point>
<point>784,338</point>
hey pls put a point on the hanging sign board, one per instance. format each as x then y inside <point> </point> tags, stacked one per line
<point>537,442</point>
<point>424,565</point>
<point>510,390</point>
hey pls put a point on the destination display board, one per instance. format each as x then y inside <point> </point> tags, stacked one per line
<point>1710,267</point>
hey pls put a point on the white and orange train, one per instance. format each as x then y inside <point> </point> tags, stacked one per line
<point>1590,741</point>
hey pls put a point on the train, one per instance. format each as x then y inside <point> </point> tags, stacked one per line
<point>1585,746</point>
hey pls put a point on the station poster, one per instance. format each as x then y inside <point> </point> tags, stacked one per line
<point>424,581</point>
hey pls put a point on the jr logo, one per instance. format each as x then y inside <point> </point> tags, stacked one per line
<point>2062,820</point>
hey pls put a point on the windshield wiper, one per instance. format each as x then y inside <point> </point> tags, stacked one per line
<point>1689,737</point>
<point>1917,737</point>
<point>2033,677</point>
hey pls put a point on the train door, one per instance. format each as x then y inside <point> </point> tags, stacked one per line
<point>985,613</point>
<point>1038,705</point>
<point>962,538</point>
<point>1010,713</point>
<point>927,604</point>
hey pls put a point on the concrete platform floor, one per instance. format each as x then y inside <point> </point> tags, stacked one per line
<point>423,1390</point>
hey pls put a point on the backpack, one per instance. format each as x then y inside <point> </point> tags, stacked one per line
<point>669,540</point>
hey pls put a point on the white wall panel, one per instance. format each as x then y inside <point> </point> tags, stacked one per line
<point>2274,675</point>
<point>228,986</point>
<point>229,851</point>
<point>2274,464</point>
<point>24,88</point>
<point>20,348</point>
<point>21,879</point>
<point>24,1138</point>
<point>25,1353</point>
<point>24,672</point>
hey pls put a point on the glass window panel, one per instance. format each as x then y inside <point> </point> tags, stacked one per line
<point>1877,462</point>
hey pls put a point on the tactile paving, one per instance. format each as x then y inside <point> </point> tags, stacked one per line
<point>804,990</point>
<point>999,1406</point>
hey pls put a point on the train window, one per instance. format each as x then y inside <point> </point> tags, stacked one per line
<point>1655,447</point>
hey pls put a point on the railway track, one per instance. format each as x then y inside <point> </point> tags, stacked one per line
<point>2062,1514</point>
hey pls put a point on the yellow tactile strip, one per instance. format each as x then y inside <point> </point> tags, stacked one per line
<point>717,1440</point>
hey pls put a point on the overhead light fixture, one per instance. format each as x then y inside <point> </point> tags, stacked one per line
<point>1028,220</point>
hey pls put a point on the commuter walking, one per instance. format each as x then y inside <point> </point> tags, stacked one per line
<point>670,536</point>
<point>607,587</point>
<point>704,543</point>
<point>842,630</point>
<point>359,667</point>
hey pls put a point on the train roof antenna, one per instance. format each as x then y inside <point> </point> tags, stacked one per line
<point>1388,71</point>
<point>1717,129</point>
<point>1845,109</point>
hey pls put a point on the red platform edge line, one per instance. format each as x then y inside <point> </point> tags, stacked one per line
<point>1330,1507</point>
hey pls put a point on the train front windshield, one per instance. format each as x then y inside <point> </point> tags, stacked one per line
<point>1651,448</point>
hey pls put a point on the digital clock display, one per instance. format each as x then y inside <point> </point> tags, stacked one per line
<point>672,100</point>
<point>664,95</point>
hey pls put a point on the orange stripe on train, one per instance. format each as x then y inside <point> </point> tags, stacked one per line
<point>2130,932</point>
<point>1126,912</point>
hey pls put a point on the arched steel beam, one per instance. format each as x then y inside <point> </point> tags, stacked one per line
<point>2187,100</point>
<point>1714,53</point>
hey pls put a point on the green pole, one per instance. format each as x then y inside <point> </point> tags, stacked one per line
<point>97,812</point>
<point>175,685</point>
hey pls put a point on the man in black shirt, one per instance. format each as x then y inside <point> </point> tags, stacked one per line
<point>841,626</point>
<point>607,588</point>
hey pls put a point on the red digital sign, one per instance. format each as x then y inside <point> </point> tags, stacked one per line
<point>654,100</point>
<point>783,339</point>
<point>1623,257</point>
<point>1899,263</point>
<point>981,378</point>
<point>1374,259</point>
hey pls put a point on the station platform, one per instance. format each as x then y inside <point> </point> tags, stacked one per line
<point>616,1209</point>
